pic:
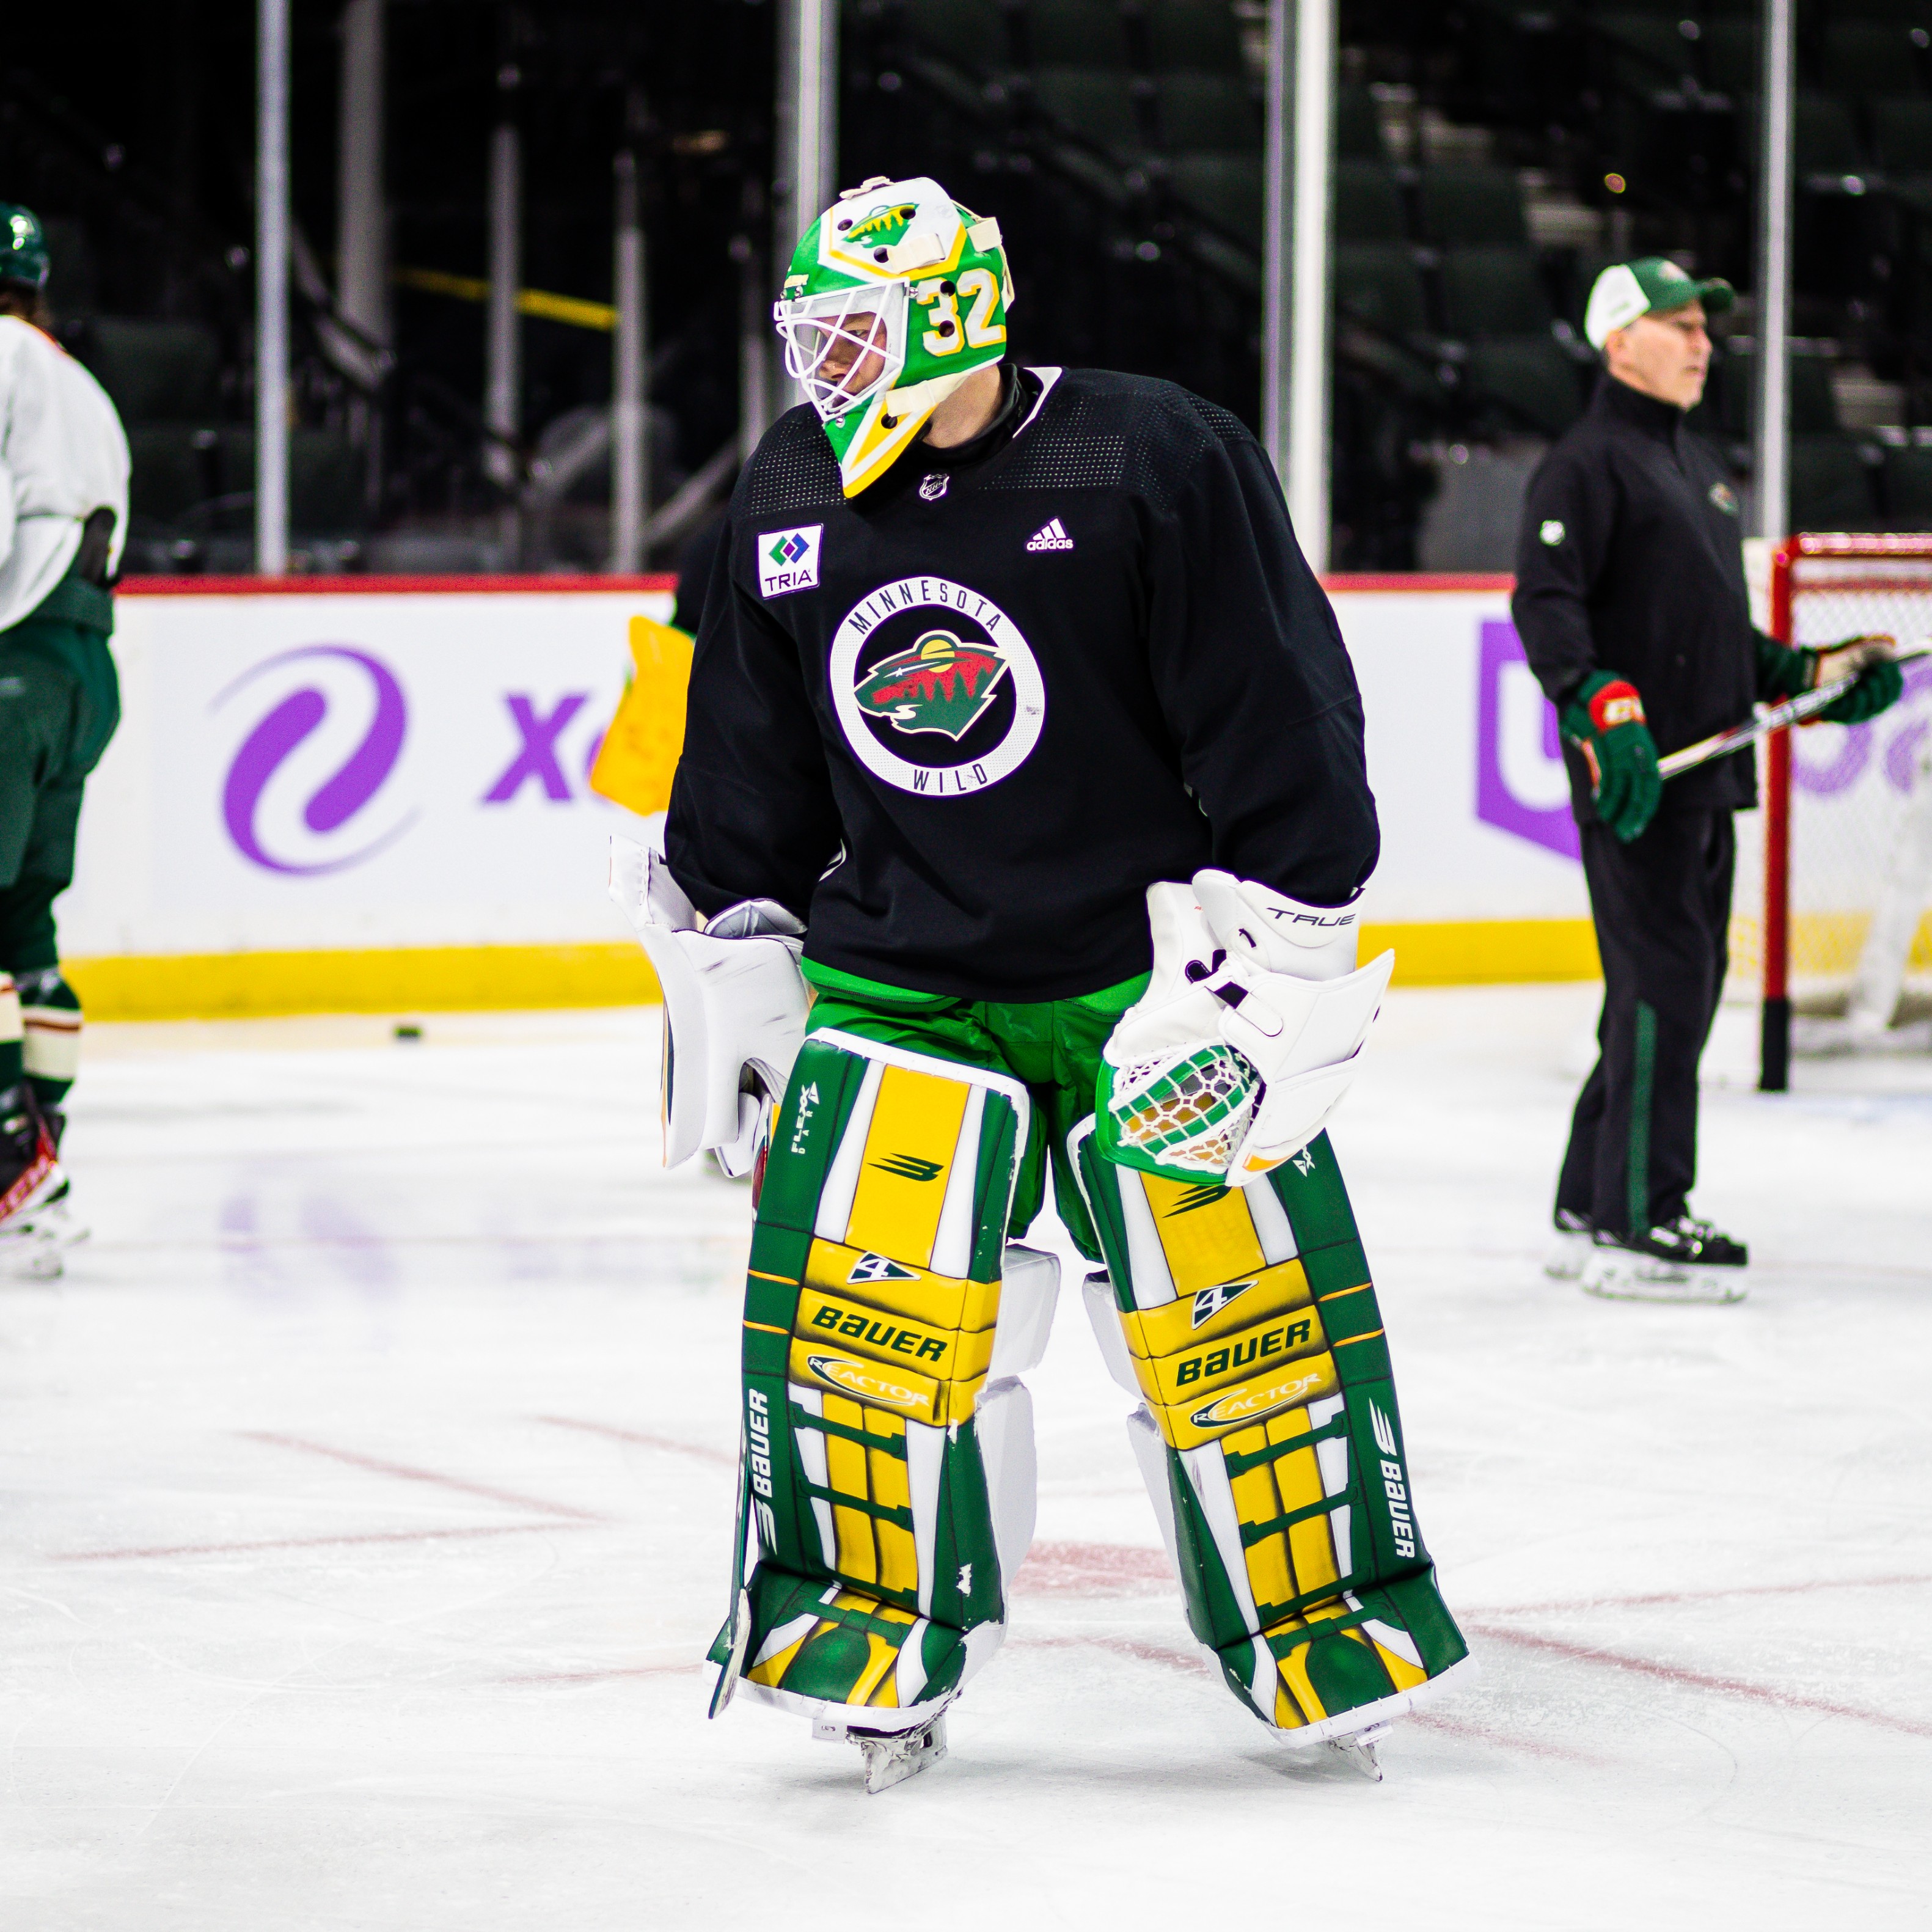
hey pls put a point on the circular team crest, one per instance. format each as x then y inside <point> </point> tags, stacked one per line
<point>937,691</point>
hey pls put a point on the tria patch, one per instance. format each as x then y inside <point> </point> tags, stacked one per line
<point>1721,496</point>
<point>1551,532</point>
<point>788,559</point>
<point>1050,536</point>
<point>934,487</point>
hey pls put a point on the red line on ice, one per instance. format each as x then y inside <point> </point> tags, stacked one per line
<point>1729,1687</point>
<point>312,1542</point>
<point>1094,1570</point>
<point>605,1676</point>
<point>1178,1660</point>
<point>1503,1740</point>
<point>1127,1646</point>
<point>409,1474</point>
<point>668,1443</point>
<point>1707,1596</point>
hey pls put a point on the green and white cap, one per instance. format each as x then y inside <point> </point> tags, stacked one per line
<point>1650,285</point>
<point>23,247</point>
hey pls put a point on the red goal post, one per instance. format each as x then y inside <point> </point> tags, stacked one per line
<point>1838,801</point>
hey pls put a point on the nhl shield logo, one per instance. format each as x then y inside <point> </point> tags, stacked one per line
<point>936,690</point>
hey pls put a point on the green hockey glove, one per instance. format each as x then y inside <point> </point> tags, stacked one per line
<point>1604,720</point>
<point>1787,674</point>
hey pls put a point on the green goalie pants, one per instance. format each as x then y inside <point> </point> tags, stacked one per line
<point>890,1315</point>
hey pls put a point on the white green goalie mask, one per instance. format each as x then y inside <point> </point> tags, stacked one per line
<point>895,296</point>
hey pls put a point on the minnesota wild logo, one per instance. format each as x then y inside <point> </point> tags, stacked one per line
<point>938,684</point>
<point>879,227</point>
<point>964,665</point>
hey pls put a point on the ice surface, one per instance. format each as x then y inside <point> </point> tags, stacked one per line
<point>367,1487</point>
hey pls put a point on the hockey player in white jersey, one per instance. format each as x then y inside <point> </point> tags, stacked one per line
<point>1023,748</point>
<point>63,517</point>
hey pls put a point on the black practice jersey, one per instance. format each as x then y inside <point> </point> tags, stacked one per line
<point>1630,562</point>
<point>959,724</point>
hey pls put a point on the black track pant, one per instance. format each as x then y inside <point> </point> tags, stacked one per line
<point>1662,906</point>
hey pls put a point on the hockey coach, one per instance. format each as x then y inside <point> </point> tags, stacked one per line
<point>1631,603</point>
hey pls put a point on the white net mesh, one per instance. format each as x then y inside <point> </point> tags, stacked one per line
<point>1188,1107</point>
<point>1851,785</point>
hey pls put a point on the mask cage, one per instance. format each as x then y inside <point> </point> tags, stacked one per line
<point>810,325</point>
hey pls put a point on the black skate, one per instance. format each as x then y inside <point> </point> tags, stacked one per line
<point>1684,1260</point>
<point>33,1190</point>
<point>1571,1254</point>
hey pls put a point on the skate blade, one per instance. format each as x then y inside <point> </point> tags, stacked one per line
<point>30,1256</point>
<point>892,1757</point>
<point>1642,1280</point>
<point>1358,1749</point>
<point>1567,1260</point>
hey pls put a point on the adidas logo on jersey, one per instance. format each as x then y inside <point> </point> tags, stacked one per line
<point>1050,536</point>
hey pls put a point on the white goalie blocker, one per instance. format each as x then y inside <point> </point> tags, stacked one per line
<point>734,1008</point>
<point>1251,1030</point>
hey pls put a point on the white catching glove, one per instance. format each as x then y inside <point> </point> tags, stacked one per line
<point>1300,1011</point>
<point>734,1008</point>
<point>1250,1030</point>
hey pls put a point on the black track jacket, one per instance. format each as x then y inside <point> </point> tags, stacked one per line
<point>961,723</point>
<point>1629,561</point>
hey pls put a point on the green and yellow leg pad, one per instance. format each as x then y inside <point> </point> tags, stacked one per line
<point>1269,1436</point>
<point>888,1492</point>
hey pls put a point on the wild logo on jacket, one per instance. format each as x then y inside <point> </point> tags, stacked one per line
<point>939,684</point>
<point>936,689</point>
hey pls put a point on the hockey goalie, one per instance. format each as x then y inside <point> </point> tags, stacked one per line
<point>1019,822</point>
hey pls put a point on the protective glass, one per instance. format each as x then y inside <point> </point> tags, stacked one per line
<point>819,329</point>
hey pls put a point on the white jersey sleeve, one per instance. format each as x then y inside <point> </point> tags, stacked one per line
<point>63,455</point>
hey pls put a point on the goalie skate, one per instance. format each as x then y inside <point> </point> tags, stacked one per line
<point>1687,1261</point>
<point>1358,1749</point>
<point>892,1756</point>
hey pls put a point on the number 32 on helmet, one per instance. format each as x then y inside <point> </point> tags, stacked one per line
<point>895,296</point>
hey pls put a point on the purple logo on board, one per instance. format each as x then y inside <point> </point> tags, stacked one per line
<point>1845,761</point>
<point>337,800</point>
<point>1521,786</point>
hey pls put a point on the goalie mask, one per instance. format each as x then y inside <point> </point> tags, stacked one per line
<point>895,296</point>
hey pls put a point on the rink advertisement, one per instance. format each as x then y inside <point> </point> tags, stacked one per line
<point>367,796</point>
<point>373,793</point>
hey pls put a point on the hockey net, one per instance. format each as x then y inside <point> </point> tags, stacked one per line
<point>1843,866</point>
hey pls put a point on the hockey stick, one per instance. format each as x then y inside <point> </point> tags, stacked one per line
<point>1793,711</point>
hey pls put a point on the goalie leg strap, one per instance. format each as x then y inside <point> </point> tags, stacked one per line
<point>1269,1437</point>
<point>889,1469</point>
